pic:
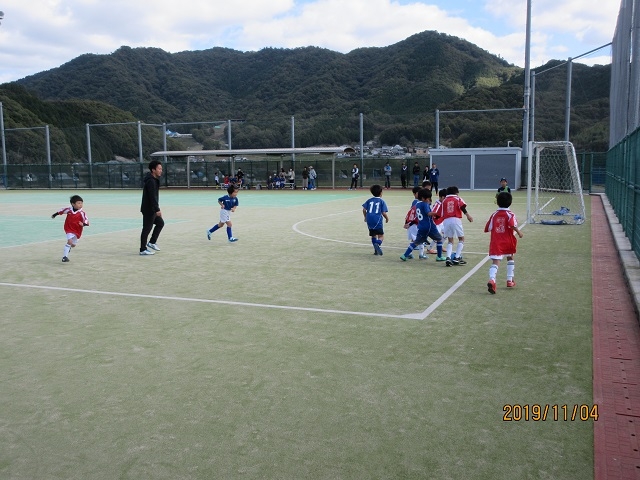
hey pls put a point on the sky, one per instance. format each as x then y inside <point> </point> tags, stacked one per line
<point>38,35</point>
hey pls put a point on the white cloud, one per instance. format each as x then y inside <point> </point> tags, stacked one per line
<point>43,34</point>
<point>561,29</point>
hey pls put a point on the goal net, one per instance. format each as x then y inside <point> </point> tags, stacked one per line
<point>554,192</point>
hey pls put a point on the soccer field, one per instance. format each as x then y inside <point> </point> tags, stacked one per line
<point>292,353</point>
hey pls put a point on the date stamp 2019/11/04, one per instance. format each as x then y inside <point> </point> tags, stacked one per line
<point>542,412</point>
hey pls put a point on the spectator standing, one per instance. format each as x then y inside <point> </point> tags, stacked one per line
<point>312,178</point>
<point>240,178</point>
<point>416,174</point>
<point>387,176</point>
<point>403,174</point>
<point>305,178</point>
<point>355,174</point>
<point>434,176</point>
<point>292,178</point>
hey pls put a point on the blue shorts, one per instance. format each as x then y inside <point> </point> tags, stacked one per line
<point>432,233</point>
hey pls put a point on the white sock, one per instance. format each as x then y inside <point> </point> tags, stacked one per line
<point>67,249</point>
<point>459,249</point>
<point>493,272</point>
<point>421,249</point>
<point>449,250</point>
<point>511,267</point>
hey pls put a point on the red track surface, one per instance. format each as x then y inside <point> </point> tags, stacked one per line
<point>616,358</point>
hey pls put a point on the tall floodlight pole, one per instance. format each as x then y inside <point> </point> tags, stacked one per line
<point>361,146</point>
<point>5,182</point>
<point>567,102</point>
<point>532,135</point>
<point>293,141</point>
<point>527,82</point>
<point>526,151</point>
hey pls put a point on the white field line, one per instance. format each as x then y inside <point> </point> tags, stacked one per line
<point>416,316</point>
<point>203,300</point>
<point>410,316</point>
<point>296,229</point>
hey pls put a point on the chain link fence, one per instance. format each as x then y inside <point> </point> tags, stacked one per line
<point>623,173</point>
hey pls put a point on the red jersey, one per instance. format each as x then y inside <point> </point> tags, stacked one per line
<point>437,209</point>
<point>500,224</point>
<point>411,218</point>
<point>452,206</point>
<point>75,221</point>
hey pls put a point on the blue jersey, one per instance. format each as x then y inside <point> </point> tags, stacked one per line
<point>425,222</point>
<point>375,207</point>
<point>228,202</point>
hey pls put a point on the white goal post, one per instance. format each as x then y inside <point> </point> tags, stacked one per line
<point>554,189</point>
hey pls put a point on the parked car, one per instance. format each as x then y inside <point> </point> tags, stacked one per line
<point>61,177</point>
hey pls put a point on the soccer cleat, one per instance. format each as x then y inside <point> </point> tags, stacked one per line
<point>65,259</point>
<point>448,260</point>
<point>491,286</point>
<point>455,261</point>
<point>432,251</point>
<point>440,259</point>
<point>511,283</point>
<point>423,257</point>
<point>153,246</point>
<point>147,252</point>
<point>208,235</point>
<point>410,256</point>
<point>377,248</point>
<point>403,258</point>
<point>461,261</point>
<point>233,239</point>
<point>375,252</point>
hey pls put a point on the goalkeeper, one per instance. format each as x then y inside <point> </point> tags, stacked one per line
<point>503,187</point>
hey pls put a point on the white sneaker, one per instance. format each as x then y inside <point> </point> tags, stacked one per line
<point>153,246</point>
<point>147,252</point>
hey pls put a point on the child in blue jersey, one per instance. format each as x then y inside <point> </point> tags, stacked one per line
<point>411,223</point>
<point>228,204</point>
<point>426,225</point>
<point>374,210</point>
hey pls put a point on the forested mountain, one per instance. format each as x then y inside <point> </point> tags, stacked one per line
<point>396,88</point>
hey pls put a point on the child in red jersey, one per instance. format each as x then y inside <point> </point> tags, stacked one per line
<point>74,223</point>
<point>502,224</point>
<point>438,219</point>
<point>452,209</point>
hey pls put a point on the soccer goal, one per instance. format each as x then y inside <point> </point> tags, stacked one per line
<point>554,191</point>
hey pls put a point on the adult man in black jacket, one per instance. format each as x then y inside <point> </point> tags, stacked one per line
<point>150,208</point>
